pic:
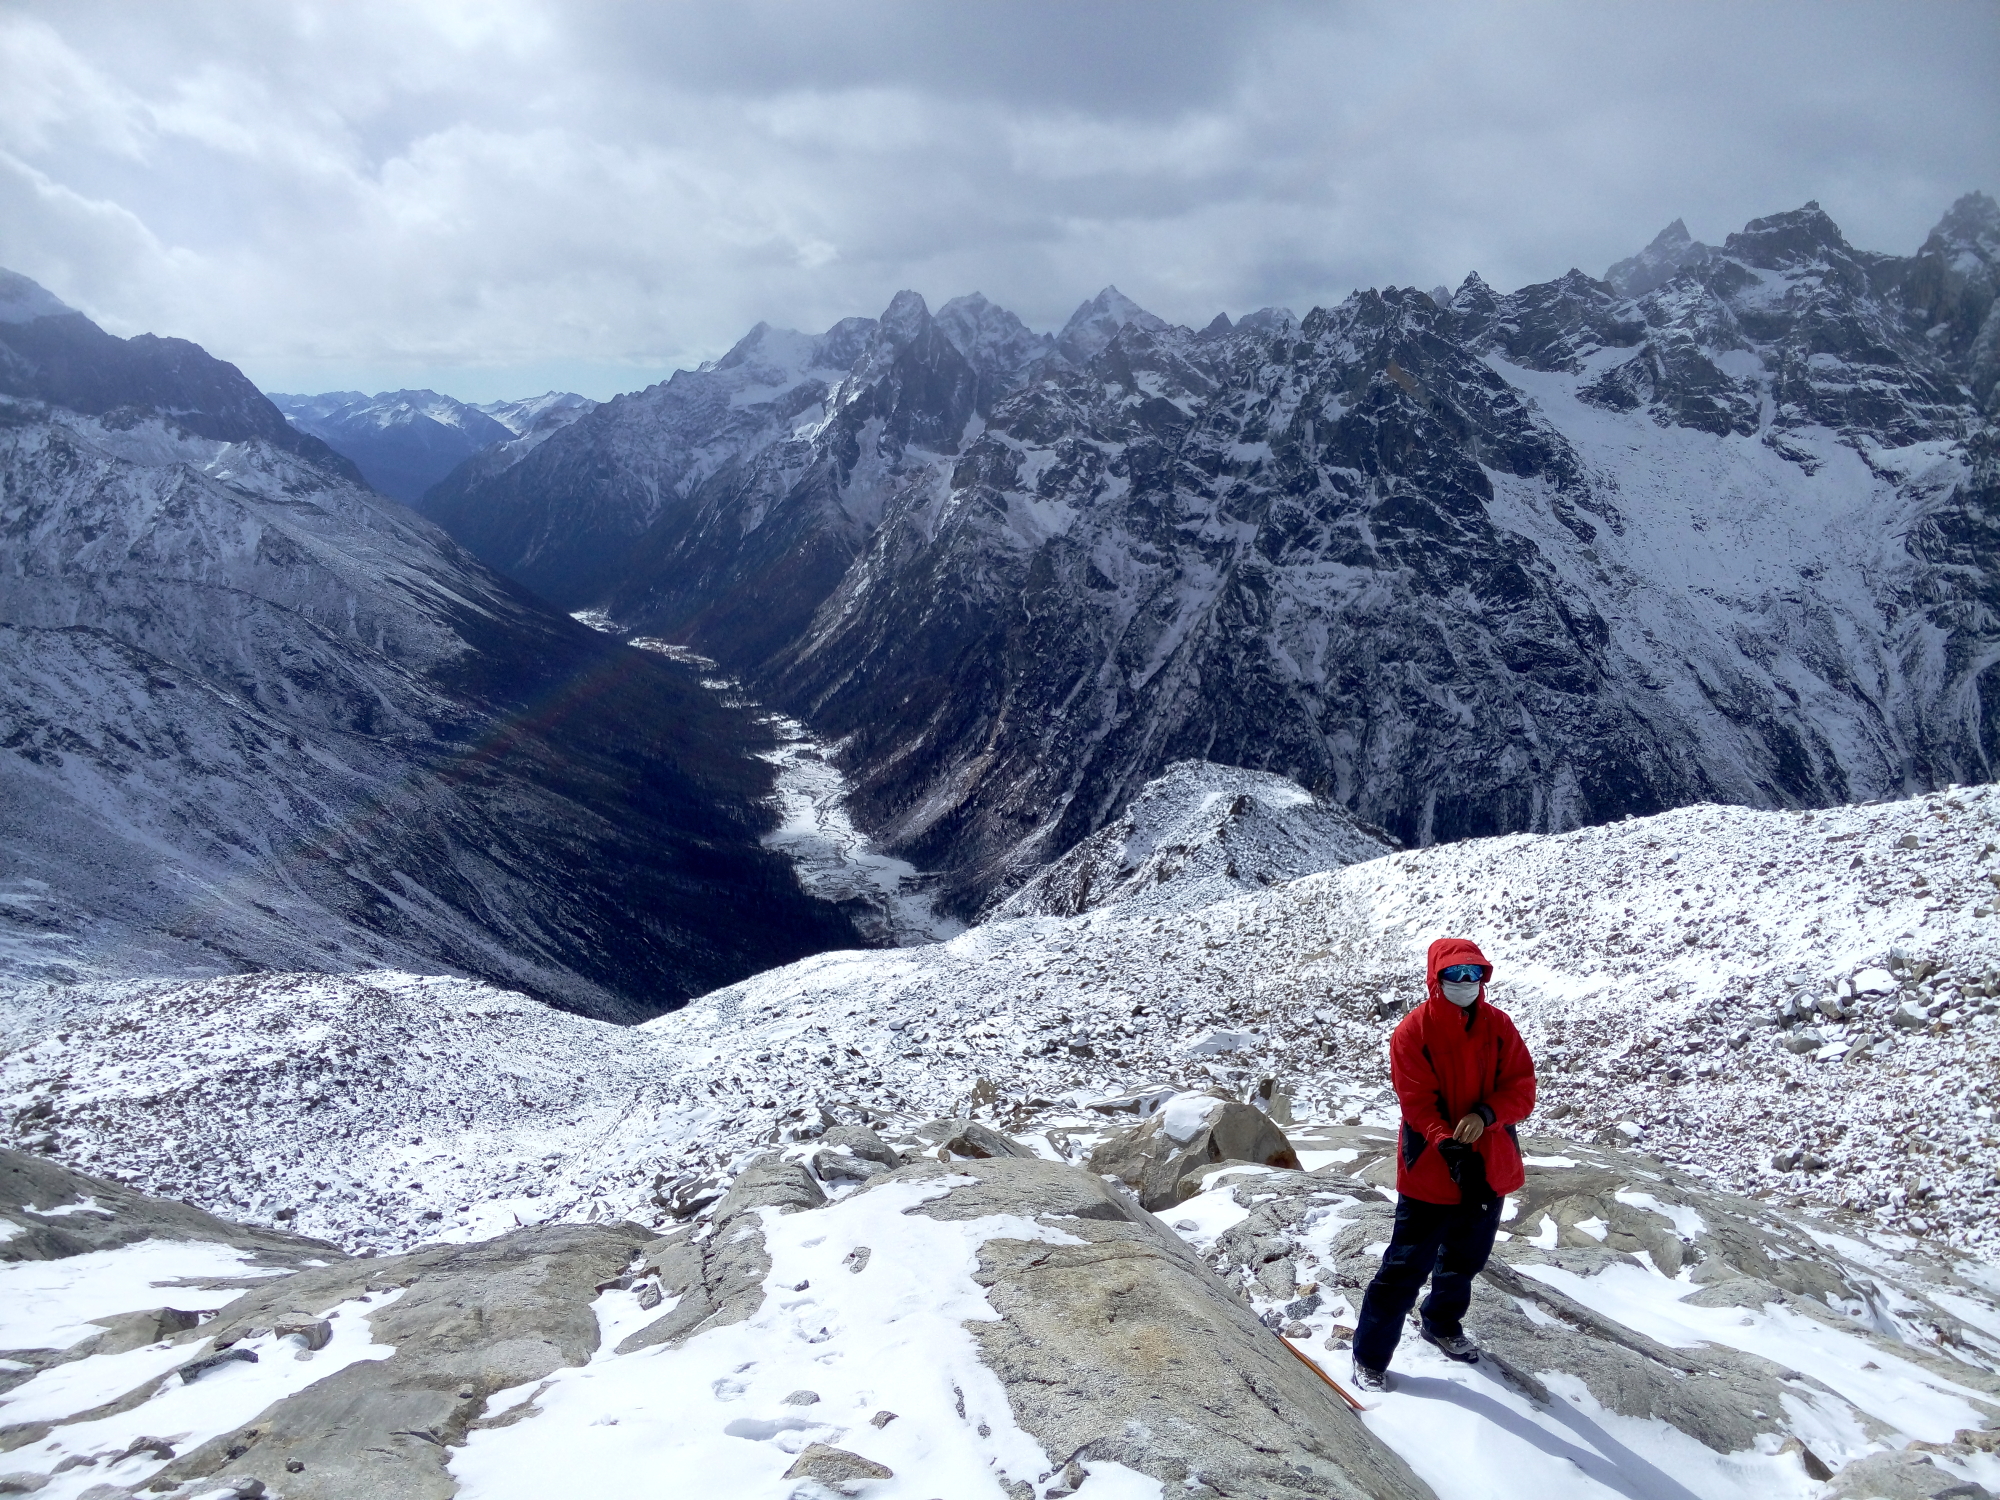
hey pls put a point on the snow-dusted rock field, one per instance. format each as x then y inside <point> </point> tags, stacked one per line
<point>1753,1257</point>
<point>880,1322</point>
<point>1795,1003</point>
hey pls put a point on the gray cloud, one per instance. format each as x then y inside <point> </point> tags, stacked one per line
<point>494,197</point>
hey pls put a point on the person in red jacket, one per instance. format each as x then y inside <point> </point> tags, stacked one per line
<point>1464,1079</point>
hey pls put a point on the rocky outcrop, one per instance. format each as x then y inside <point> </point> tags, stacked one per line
<point>466,1321</point>
<point>53,1213</point>
<point>1160,1159</point>
<point>1124,1348</point>
<point>1195,834</point>
<point>721,1280</point>
<point>1113,1343</point>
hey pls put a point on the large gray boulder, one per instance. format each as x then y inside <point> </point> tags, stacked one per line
<point>1125,1348</point>
<point>1160,1159</point>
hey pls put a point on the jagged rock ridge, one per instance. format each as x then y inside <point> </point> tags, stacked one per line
<point>1511,562</point>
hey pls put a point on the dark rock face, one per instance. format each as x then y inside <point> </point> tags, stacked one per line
<point>253,716</point>
<point>1500,563</point>
<point>68,361</point>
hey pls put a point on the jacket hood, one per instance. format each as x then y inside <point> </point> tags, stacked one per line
<point>1444,953</point>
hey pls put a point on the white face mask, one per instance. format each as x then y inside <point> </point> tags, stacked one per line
<point>1460,994</point>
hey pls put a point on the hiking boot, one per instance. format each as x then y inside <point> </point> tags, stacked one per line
<point>1370,1380</point>
<point>1452,1345</point>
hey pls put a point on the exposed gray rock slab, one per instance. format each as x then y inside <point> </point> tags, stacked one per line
<point>1902,1475</point>
<point>30,1186</point>
<point>1125,1348</point>
<point>968,1139</point>
<point>864,1143</point>
<point>471,1320</point>
<point>729,1284</point>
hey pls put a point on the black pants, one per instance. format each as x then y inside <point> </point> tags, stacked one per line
<point>1423,1230</point>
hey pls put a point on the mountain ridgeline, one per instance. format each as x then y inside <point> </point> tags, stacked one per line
<point>403,442</point>
<point>1718,526</point>
<point>255,716</point>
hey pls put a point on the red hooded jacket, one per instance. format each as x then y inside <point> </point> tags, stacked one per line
<point>1447,1063</point>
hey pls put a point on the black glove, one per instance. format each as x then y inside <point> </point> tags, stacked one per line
<point>1468,1170</point>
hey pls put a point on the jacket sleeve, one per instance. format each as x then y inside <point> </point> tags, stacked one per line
<point>1512,1097</point>
<point>1416,1085</point>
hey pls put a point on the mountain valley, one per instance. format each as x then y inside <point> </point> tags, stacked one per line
<point>1720,531</point>
<point>257,716</point>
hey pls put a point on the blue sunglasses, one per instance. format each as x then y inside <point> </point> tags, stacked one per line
<point>1463,974</point>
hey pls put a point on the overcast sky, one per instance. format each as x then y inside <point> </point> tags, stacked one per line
<point>493,197</point>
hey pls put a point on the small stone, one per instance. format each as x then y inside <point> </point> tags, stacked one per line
<point>649,1295</point>
<point>151,1447</point>
<point>882,1419</point>
<point>836,1467</point>
<point>1298,1330</point>
<point>195,1369</point>
<point>802,1398</point>
<point>465,1393</point>
<point>295,1466</point>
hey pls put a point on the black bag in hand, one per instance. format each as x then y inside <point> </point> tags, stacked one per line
<point>1468,1170</point>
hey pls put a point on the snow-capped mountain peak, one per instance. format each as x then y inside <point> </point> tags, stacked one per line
<point>406,441</point>
<point>998,345</point>
<point>1657,264</point>
<point>1800,237</point>
<point>1097,322</point>
<point>906,316</point>
<point>533,413</point>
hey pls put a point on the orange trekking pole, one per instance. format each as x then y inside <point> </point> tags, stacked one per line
<point>1311,1364</point>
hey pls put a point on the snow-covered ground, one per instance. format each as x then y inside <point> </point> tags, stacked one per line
<point>865,1338</point>
<point>1651,964</point>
